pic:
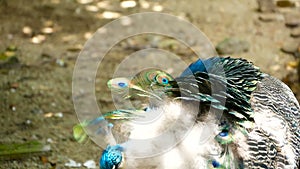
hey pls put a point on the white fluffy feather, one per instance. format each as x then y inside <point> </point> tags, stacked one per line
<point>195,142</point>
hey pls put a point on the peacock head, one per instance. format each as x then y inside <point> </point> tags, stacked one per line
<point>112,157</point>
<point>149,83</point>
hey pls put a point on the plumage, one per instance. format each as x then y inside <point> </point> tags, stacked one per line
<point>235,116</point>
<point>276,134</point>
<point>111,157</point>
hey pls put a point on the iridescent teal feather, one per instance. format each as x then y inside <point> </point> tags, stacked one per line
<point>111,157</point>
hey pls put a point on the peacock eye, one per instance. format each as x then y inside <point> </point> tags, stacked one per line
<point>162,79</point>
<point>122,84</point>
<point>165,81</point>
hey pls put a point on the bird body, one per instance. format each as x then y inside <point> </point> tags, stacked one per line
<point>220,113</point>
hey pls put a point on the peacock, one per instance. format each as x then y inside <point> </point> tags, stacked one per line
<point>221,112</point>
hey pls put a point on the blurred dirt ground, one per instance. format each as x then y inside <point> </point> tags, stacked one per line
<point>45,37</point>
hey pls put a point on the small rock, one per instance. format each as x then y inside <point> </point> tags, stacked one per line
<point>144,4</point>
<point>90,164</point>
<point>271,17</point>
<point>47,30</point>
<point>84,1</point>
<point>50,114</point>
<point>27,31</point>
<point>13,107</point>
<point>28,122</point>
<point>128,4</point>
<point>60,62</point>
<point>92,8</point>
<point>109,15</point>
<point>49,140</point>
<point>72,163</point>
<point>104,4</point>
<point>88,35</point>
<point>285,3</point>
<point>59,115</point>
<point>232,45</point>
<point>295,32</point>
<point>292,19</point>
<point>13,90</point>
<point>38,39</point>
<point>290,46</point>
<point>157,8</point>
<point>266,6</point>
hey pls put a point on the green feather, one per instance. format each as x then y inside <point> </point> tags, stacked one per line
<point>79,133</point>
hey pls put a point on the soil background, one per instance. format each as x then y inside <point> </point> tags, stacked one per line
<point>36,91</point>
